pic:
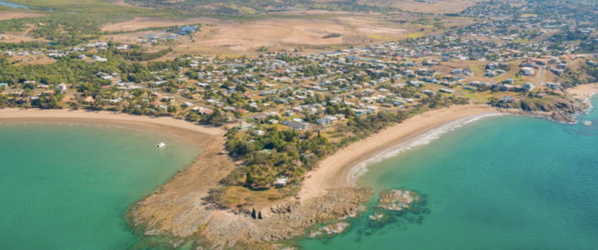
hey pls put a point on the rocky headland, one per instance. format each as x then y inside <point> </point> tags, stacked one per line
<point>182,211</point>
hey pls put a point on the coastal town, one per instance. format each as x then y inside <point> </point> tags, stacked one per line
<point>284,111</point>
<point>528,64</point>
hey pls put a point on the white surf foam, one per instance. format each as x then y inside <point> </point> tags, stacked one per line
<point>361,168</point>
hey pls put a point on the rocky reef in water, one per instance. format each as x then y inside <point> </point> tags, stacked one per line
<point>394,204</point>
<point>263,228</point>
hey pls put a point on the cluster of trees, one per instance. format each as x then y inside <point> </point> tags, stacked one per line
<point>66,69</point>
<point>290,153</point>
<point>286,153</point>
<point>70,69</point>
<point>331,35</point>
<point>26,46</point>
<point>83,76</point>
<point>249,8</point>
<point>216,118</point>
<point>140,55</point>
<point>73,24</point>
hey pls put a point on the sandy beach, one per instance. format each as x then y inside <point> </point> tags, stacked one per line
<point>583,91</point>
<point>178,208</point>
<point>334,171</point>
<point>179,129</point>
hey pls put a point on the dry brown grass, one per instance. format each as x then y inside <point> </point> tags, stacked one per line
<point>21,37</point>
<point>6,15</point>
<point>228,37</point>
<point>31,60</point>
<point>281,33</point>
<point>241,196</point>
<point>442,6</point>
<point>233,37</point>
<point>148,22</point>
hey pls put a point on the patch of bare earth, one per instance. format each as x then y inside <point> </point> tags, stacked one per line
<point>220,36</point>
<point>7,15</point>
<point>148,22</point>
<point>431,6</point>
<point>20,37</point>
<point>180,208</point>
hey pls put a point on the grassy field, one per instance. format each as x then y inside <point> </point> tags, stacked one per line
<point>241,196</point>
<point>81,21</point>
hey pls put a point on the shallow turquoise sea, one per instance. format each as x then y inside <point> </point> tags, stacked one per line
<point>500,183</point>
<point>69,186</point>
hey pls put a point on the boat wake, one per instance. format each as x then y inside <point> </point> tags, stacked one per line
<point>361,168</point>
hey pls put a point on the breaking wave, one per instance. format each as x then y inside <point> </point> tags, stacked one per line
<point>361,168</point>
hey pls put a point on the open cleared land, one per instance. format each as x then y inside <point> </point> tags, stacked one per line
<point>285,32</point>
<point>19,37</point>
<point>6,15</point>
<point>147,22</point>
<point>220,36</point>
<point>438,6</point>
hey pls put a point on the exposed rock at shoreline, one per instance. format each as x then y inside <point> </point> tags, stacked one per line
<point>220,228</point>
<point>180,208</point>
<point>289,220</point>
<point>553,108</point>
<point>330,230</point>
<point>398,199</point>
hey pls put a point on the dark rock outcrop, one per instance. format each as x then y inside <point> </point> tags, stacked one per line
<point>554,108</point>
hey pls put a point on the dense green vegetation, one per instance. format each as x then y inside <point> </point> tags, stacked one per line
<point>72,24</point>
<point>291,153</point>
<point>259,7</point>
<point>231,86</point>
<point>139,55</point>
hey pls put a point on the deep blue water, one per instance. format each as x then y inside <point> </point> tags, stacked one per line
<point>500,183</point>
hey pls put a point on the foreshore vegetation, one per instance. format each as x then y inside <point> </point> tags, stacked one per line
<point>284,111</point>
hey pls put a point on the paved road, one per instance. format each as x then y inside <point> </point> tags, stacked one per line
<point>541,76</point>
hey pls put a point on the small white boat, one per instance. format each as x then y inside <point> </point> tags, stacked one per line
<point>161,145</point>
<point>587,123</point>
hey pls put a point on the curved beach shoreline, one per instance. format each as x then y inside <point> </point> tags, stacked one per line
<point>179,209</point>
<point>179,129</point>
<point>584,91</point>
<point>340,169</point>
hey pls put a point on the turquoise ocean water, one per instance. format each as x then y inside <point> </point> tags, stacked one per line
<point>500,183</point>
<point>69,187</point>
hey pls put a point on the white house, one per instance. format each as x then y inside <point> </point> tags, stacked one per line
<point>281,181</point>
<point>62,87</point>
<point>528,71</point>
